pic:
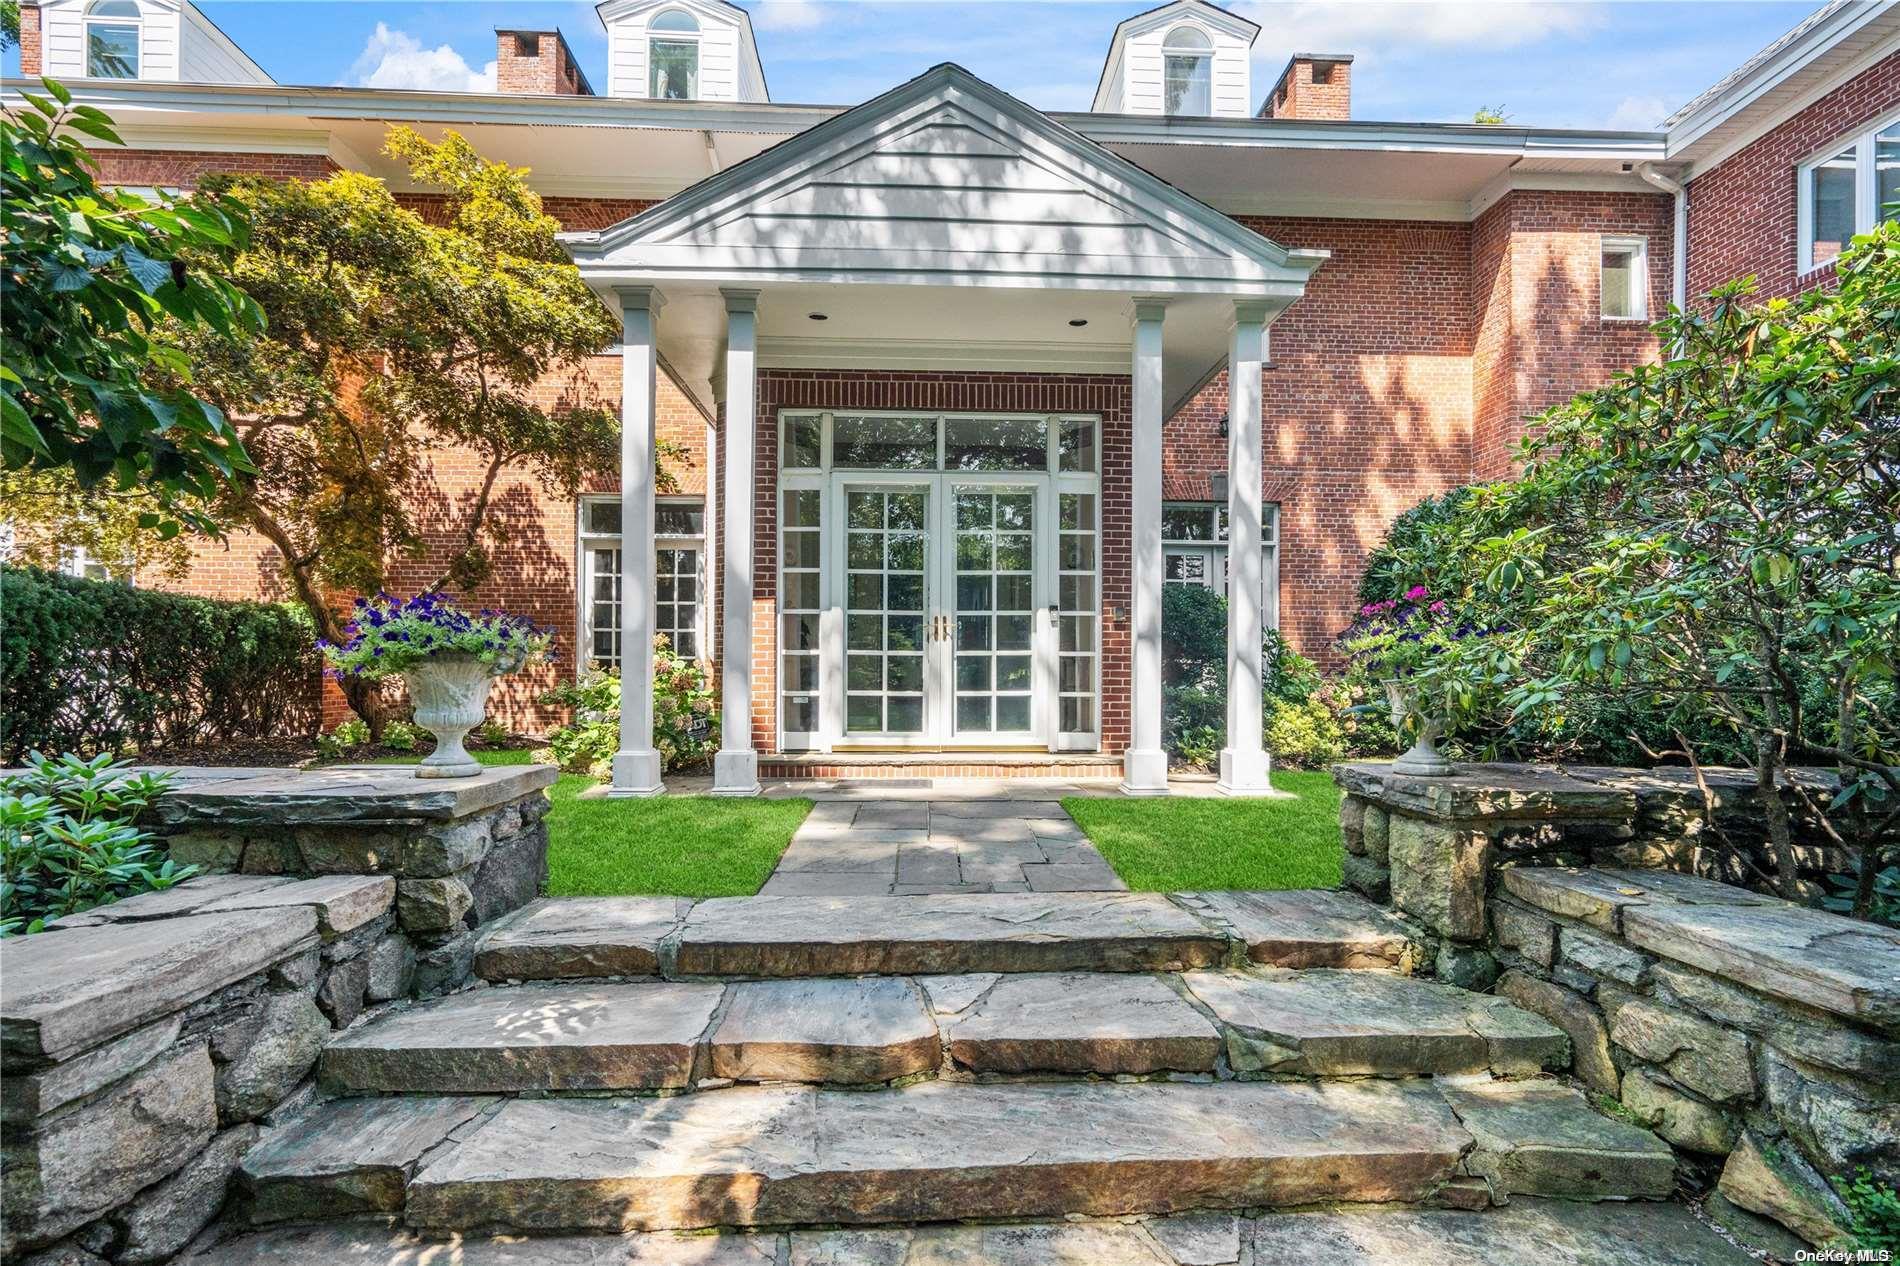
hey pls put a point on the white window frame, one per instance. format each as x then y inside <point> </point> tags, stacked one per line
<point>1203,55</point>
<point>1608,242</point>
<point>136,22</point>
<point>588,541</point>
<point>1866,214</point>
<point>693,37</point>
<point>1215,551</point>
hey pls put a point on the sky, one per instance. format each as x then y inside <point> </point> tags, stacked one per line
<point>1549,63</point>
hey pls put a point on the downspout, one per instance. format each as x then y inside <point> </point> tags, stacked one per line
<point>1679,281</point>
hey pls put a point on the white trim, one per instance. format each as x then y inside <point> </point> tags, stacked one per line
<point>1745,137</point>
<point>1607,242</point>
<point>796,352</point>
<point>1866,213</point>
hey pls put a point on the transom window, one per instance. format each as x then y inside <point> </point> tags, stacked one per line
<point>673,56</point>
<point>1188,58</point>
<point>1846,190</point>
<point>932,442</point>
<point>112,39</point>
<point>1625,279</point>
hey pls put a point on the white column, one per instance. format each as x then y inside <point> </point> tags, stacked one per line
<point>1145,765</point>
<point>637,763</point>
<point>1243,762</point>
<point>736,767</point>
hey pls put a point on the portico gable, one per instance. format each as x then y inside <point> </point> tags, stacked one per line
<point>944,225</point>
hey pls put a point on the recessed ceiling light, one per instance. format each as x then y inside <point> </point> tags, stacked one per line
<point>1078,322</point>
<point>816,316</point>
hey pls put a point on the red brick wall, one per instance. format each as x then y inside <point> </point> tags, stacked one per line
<point>1107,395</point>
<point>573,213</point>
<point>1538,336</point>
<point>1742,210</point>
<point>183,169</point>
<point>30,46</point>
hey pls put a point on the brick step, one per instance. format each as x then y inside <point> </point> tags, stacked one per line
<point>787,936</point>
<point>940,1151</point>
<point>1563,1233</point>
<point>651,1035</point>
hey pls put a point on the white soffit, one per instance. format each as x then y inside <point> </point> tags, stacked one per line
<point>945,181</point>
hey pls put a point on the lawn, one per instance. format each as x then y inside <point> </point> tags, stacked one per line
<point>1178,843</point>
<point>681,846</point>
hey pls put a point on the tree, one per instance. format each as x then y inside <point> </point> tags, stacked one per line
<point>1490,114</point>
<point>394,338</point>
<point>47,513</point>
<point>1719,534</point>
<point>90,276</point>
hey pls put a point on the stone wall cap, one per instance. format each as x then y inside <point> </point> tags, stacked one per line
<point>344,794</point>
<point>65,991</point>
<point>1601,896</point>
<point>341,902</point>
<point>1498,791</point>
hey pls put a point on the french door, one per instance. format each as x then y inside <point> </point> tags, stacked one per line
<point>948,639</point>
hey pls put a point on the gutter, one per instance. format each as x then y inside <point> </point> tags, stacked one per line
<point>1679,256</point>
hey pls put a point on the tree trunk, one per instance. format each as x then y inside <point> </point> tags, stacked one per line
<point>1775,810</point>
<point>364,697</point>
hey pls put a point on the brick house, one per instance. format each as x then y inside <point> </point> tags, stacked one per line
<point>963,384</point>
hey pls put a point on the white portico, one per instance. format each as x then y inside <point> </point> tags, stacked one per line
<point>975,566</point>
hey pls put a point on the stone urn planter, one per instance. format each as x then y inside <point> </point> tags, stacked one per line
<point>1424,760</point>
<point>450,694</point>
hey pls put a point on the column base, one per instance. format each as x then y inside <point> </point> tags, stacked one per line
<point>1243,772</point>
<point>736,774</point>
<point>1144,773</point>
<point>636,774</point>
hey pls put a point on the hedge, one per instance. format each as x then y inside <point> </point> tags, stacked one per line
<point>92,666</point>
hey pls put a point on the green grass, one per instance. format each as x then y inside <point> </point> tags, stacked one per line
<point>1181,843</point>
<point>677,846</point>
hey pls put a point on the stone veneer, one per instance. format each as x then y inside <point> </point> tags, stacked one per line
<point>1760,1037</point>
<point>148,1042</point>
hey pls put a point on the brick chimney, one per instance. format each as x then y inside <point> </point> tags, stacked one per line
<point>30,61</point>
<point>1313,86</point>
<point>538,62</point>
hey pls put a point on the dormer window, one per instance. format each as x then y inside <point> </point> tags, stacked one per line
<point>112,39</point>
<point>673,56</point>
<point>1188,59</point>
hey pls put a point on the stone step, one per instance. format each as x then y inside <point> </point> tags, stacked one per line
<point>939,1151</point>
<point>1563,1233</point>
<point>668,1035</point>
<point>793,936</point>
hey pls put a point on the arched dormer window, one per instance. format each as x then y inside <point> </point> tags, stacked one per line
<point>1188,58</point>
<point>673,56</point>
<point>112,39</point>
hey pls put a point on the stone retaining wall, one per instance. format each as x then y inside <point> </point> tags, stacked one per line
<point>146,1043</point>
<point>1759,1037</point>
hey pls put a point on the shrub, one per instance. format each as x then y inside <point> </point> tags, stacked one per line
<point>67,842</point>
<point>685,716</point>
<point>1193,635</point>
<point>1395,565</point>
<point>95,666</point>
<point>401,736</point>
<point>345,740</point>
<point>1306,734</point>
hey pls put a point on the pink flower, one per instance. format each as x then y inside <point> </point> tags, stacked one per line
<point>1417,593</point>
<point>1437,608</point>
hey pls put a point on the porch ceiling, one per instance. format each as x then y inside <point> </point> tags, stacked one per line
<point>938,328</point>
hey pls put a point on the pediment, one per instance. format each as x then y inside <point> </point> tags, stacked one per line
<point>946,180</point>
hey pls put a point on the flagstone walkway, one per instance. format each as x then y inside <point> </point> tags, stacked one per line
<point>921,847</point>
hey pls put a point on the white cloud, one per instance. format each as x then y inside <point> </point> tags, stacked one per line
<point>1640,113</point>
<point>396,59</point>
<point>1343,26</point>
<point>787,15</point>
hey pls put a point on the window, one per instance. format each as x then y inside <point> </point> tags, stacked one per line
<point>1625,278</point>
<point>1847,190</point>
<point>1194,549</point>
<point>1056,445</point>
<point>678,577</point>
<point>800,549</point>
<point>1188,57</point>
<point>112,39</point>
<point>673,56</point>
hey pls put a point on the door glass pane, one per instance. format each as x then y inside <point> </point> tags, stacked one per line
<point>995,566</point>
<point>1831,205</point>
<point>1076,622</point>
<point>884,617</point>
<point>883,443</point>
<point>800,593</point>
<point>996,444</point>
<point>603,612</point>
